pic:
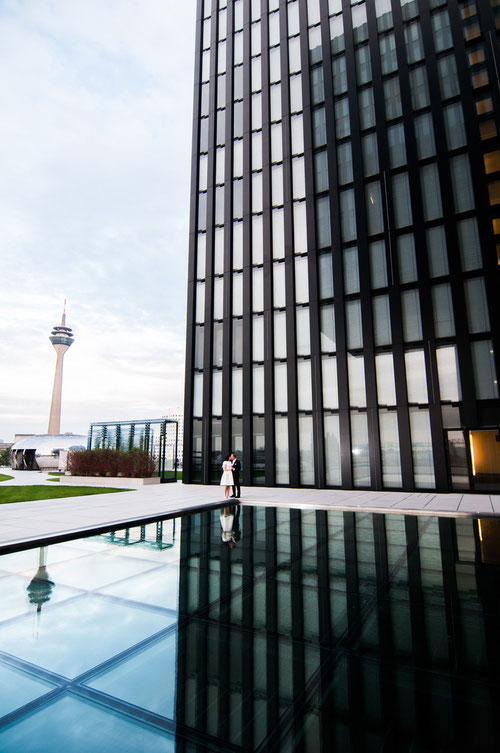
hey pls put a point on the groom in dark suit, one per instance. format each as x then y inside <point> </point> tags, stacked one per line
<point>236,475</point>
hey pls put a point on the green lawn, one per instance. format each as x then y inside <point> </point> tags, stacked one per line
<point>57,475</point>
<point>33,493</point>
<point>3,477</point>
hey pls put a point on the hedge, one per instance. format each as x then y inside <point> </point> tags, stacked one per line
<point>131,464</point>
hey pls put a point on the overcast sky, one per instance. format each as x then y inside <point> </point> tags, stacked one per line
<point>95,142</point>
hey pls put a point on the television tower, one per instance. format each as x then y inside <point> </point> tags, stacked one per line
<point>61,338</point>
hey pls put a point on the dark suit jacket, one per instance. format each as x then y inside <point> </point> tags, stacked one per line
<point>236,470</point>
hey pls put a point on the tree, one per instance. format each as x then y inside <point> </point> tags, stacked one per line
<point>5,457</point>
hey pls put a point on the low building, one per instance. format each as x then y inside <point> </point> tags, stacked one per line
<point>178,416</point>
<point>42,452</point>
<point>158,437</point>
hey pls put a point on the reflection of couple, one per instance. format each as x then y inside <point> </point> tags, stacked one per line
<point>230,524</point>
<point>231,476</point>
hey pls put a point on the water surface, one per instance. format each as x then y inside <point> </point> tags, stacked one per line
<point>255,629</point>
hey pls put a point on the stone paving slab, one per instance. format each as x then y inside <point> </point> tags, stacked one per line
<point>56,519</point>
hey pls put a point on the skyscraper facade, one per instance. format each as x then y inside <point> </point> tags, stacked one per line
<point>343,302</point>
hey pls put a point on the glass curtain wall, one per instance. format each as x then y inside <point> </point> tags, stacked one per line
<point>344,249</point>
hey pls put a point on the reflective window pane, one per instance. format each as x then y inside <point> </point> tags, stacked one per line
<point>447,365</point>
<point>419,87</point>
<point>370,154</point>
<point>378,267</point>
<point>351,270</point>
<point>431,192</point>
<point>483,362</point>
<point>327,328</point>
<point>258,338</point>
<point>374,209</point>
<point>258,289</point>
<point>237,341</point>
<point>366,110</point>
<point>436,251</point>
<point>444,323</point>
<point>416,381</point>
<point>218,344</point>
<point>389,449</point>
<point>412,320</point>
<point>469,244</point>
<point>325,275</point>
<point>280,387</point>
<point>356,374</point>
<point>381,320</point>
<point>353,324</point>
<point>421,445</point>
<point>278,233</point>
<point>407,261</point>
<point>342,122</point>
<point>392,94</point>
<point>257,239</point>
<point>237,392</point>
<point>386,386</point>
<point>198,395</point>
<point>401,200</point>
<point>301,280</point>
<point>304,386</point>
<point>424,134</point>
<point>397,148</point>
<point>303,331</point>
<point>321,181</point>
<point>332,450</point>
<point>299,227</point>
<point>217,393</point>
<point>461,182</point>
<point>218,307</point>
<point>306,450</point>
<point>281,450</point>
<point>360,450</point>
<point>279,319</point>
<point>199,342</point>
<point>330,387</point>
<point>258,389</point>
<point>344,162</point>
<point>455,126</point>
<point>448,77</point>
<point>348,215</point>
<point>476,302</point>
<point>323,225</point>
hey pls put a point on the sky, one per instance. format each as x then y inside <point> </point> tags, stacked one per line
<point>95,144</point>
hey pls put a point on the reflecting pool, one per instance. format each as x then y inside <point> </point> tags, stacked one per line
<point>255,629</point>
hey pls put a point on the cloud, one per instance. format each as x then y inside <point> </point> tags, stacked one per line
<point>95,148</point>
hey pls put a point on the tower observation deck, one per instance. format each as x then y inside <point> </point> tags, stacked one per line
<point>61,338</point>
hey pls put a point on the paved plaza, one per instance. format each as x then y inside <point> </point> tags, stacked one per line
<point>55,519</point>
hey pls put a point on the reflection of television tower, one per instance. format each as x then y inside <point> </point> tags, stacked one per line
<point>61,338</point>
<point>40,587</point>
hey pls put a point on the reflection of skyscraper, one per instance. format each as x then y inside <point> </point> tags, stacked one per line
<point>61,338</point>
<point>345,227</point>
<point>337,631</point>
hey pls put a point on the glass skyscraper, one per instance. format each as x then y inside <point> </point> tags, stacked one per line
<point>343,301</point>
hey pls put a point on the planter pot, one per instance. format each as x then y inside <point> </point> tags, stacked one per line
<point>111,481</point>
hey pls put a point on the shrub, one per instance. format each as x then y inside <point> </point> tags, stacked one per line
<point>134,463</point>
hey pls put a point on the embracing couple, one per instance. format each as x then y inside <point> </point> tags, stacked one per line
<point>231,468</point>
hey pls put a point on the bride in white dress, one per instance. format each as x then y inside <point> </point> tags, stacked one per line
<point>227,476</point>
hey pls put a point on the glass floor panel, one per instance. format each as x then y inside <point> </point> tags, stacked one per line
<point>255,630</point>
